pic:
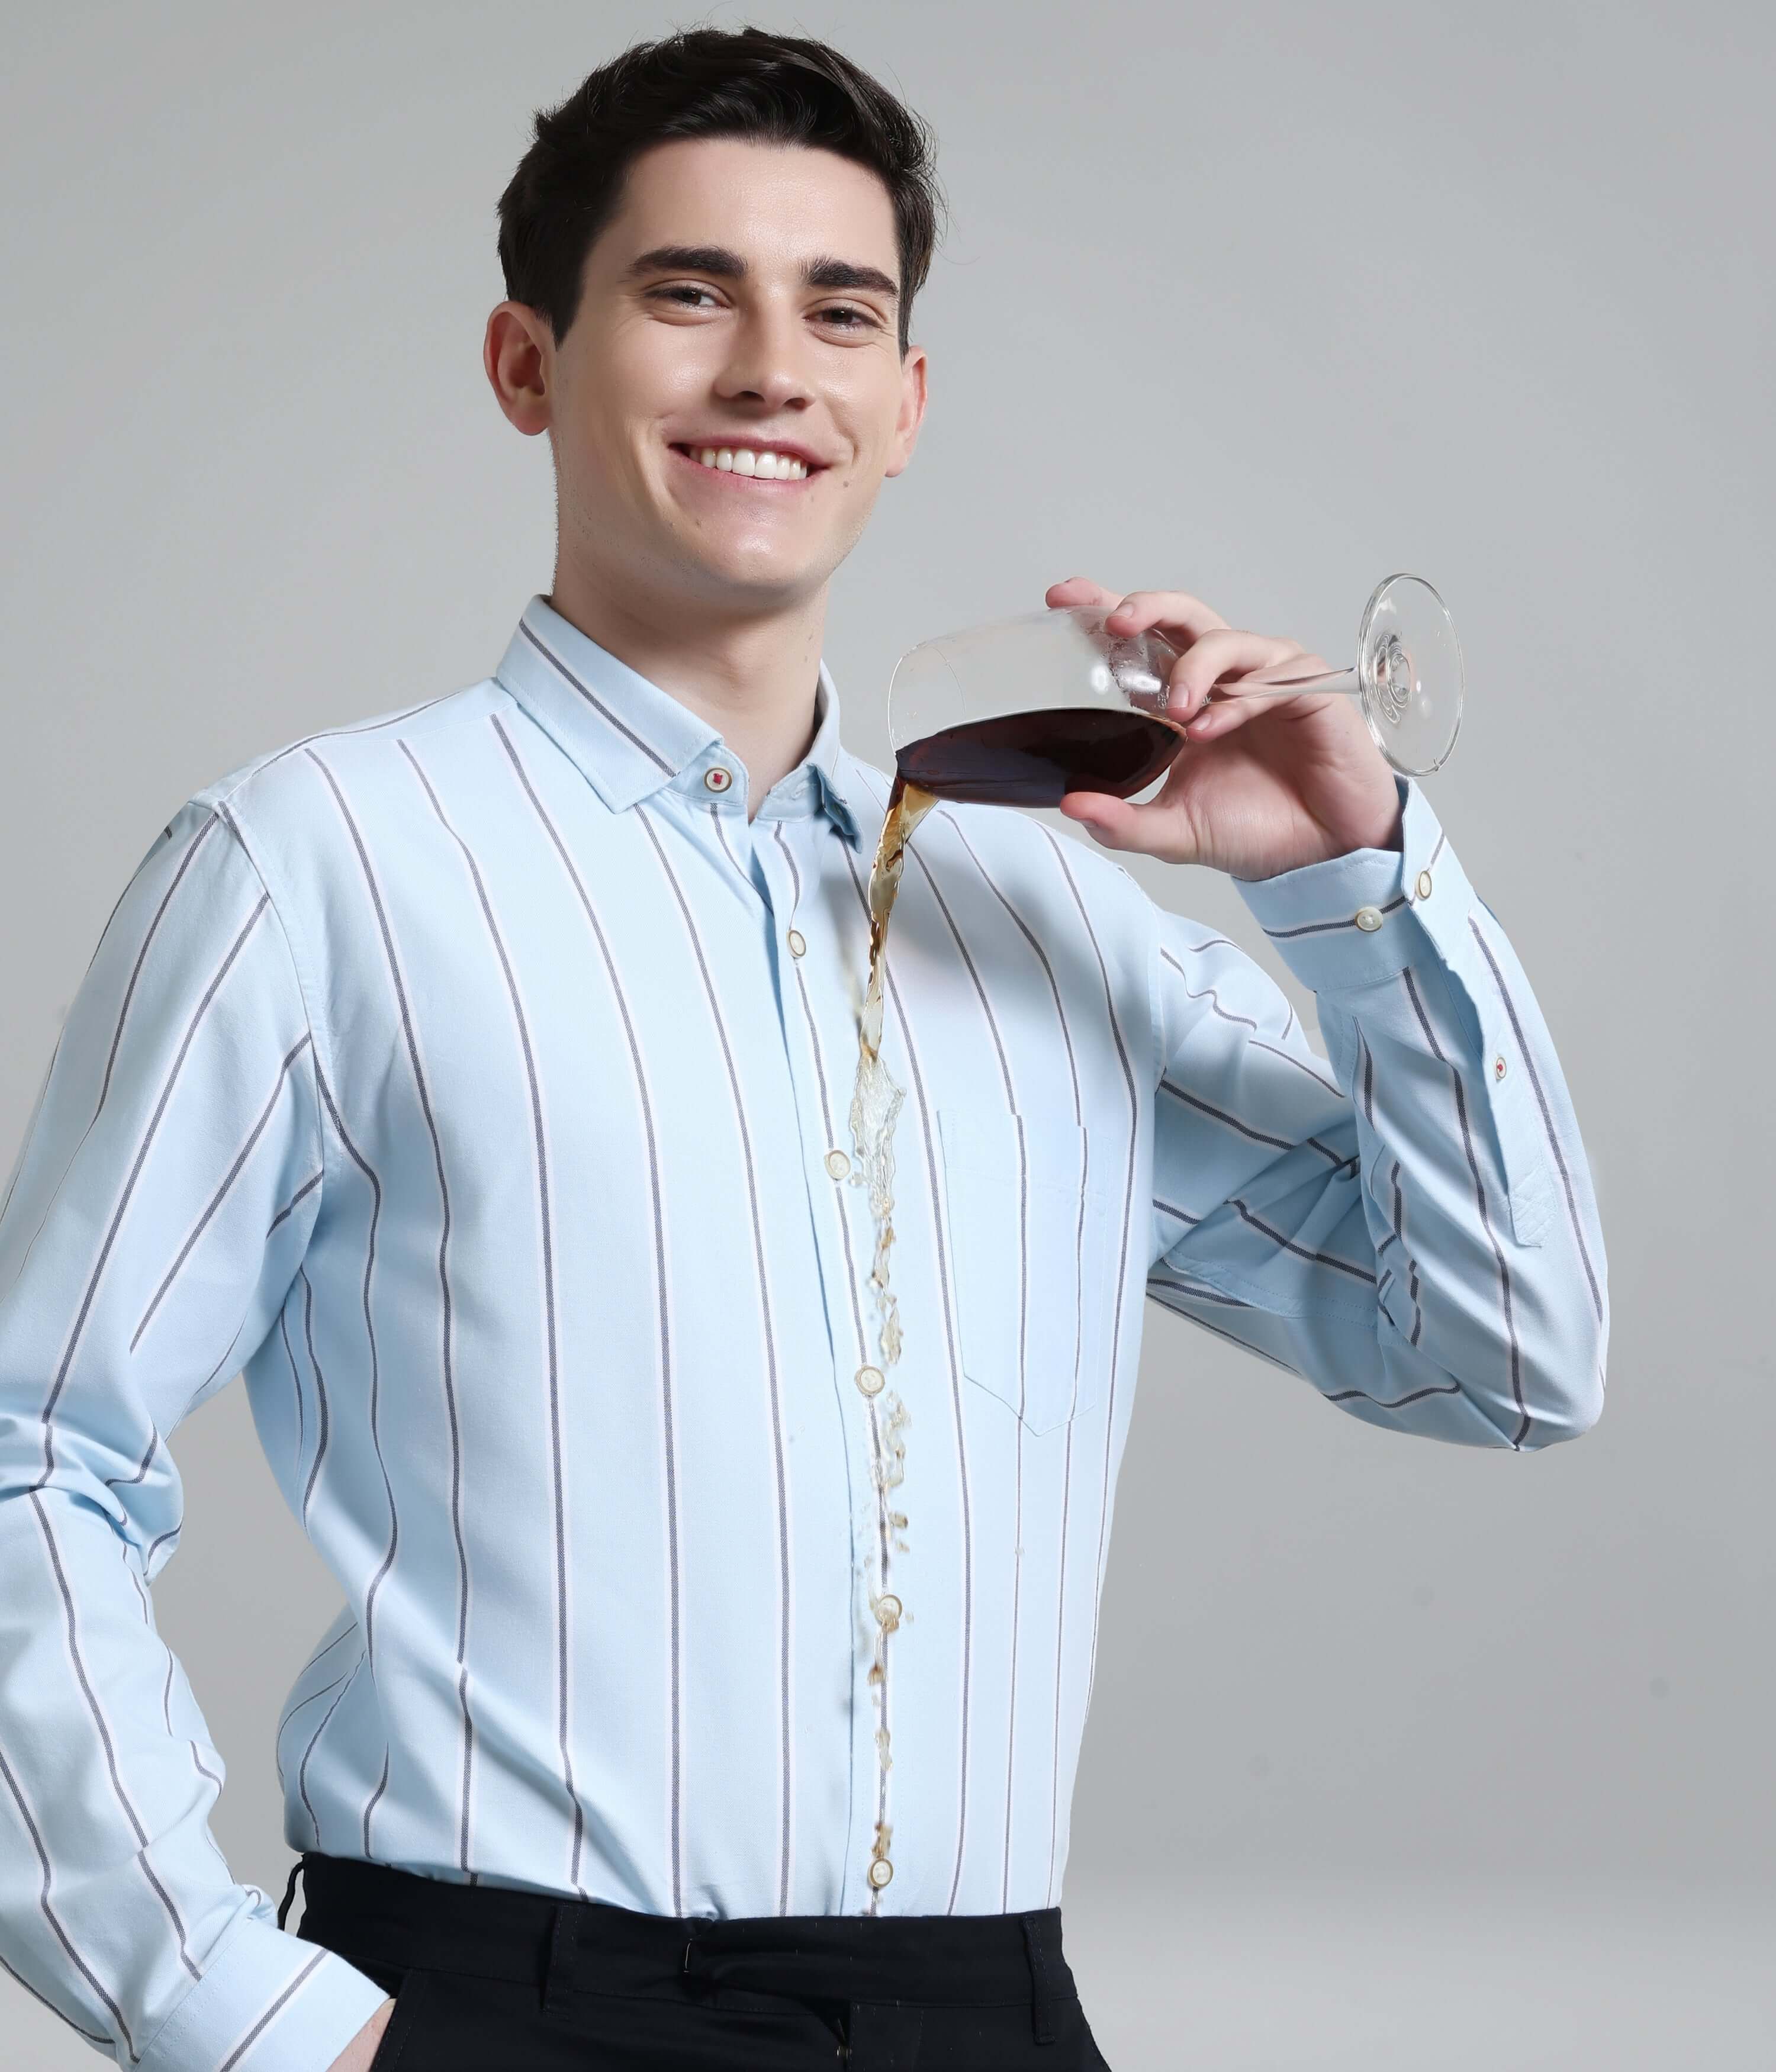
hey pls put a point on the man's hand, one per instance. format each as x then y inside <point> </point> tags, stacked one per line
<point>1263,784</point>
<point>358,2053</point>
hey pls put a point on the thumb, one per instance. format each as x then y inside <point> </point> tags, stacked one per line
<point>1113,822</point>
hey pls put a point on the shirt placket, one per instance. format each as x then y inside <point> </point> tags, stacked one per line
<point>813,975</point>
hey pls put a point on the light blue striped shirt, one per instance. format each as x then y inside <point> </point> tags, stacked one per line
<point>475,1081</point>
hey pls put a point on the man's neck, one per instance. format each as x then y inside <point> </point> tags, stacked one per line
<point>754,679</point>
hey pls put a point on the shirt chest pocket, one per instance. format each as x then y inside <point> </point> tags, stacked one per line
<point>1034,1284</point>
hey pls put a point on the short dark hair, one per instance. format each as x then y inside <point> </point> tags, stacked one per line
<point>706,82</point>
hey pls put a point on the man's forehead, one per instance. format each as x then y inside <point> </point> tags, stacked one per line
<point>779,205</point>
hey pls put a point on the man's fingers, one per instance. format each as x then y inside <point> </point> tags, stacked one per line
<point>1173,611</point>
<point>1221,653</point>
<point>1115,823</point>
<point>1078,590</point>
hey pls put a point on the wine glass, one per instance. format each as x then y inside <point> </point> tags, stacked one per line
<point>1019,712</point>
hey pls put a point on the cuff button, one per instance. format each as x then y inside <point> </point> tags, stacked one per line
<point>1368,918</point>
<point>1424,885</point>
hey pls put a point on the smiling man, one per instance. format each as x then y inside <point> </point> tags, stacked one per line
<point>709,1685</point>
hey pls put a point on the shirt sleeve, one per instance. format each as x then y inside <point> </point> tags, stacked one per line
<point>150,1232</point>
<point>1411,1225</point>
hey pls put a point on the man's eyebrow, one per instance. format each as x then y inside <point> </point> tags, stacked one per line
<point>820,272</point>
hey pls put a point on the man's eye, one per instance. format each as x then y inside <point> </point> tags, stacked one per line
<point>861,319</point>
<point>681,289</point>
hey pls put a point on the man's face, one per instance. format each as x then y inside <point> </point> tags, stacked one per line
<point>741,298</point>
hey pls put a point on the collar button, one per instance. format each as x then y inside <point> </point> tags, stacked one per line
<point>717,777</point>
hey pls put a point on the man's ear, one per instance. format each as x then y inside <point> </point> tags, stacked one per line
<point>911,414</point>
<point>518,353</point>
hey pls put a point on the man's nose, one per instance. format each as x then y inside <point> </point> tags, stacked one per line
<point>769,361</point>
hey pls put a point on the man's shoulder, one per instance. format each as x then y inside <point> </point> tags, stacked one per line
<point>278,786</point>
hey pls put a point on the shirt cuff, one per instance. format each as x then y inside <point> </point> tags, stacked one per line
<point>267,2002</point>
<point>1358,919</point>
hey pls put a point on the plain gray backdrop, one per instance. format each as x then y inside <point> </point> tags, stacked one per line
<point>1401,1756</point>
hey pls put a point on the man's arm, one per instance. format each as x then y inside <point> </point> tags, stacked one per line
<point>1413,1229</point>
<point>1419,1235</point>
<point>159,1208</point>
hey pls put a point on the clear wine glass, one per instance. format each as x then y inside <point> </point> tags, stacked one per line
<point>1019,712</point>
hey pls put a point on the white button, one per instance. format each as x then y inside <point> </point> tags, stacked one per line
<point>870,1380</point>
<point>798,943</point>
<point>1368,918</point>
<point>880,1871</point>
<point>1424,885</point>
<point>838,1164</point>
<point>1499,1066</point>
<point>888,1612</point>
<point>717,777</point>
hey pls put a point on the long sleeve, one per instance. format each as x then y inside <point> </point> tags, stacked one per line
<point>154,1221</point>
<point>1413,1229</point>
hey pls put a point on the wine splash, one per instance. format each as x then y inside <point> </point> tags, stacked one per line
<point>876,1098</point>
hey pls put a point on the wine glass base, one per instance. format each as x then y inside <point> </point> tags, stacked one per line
<point>1409,671</point>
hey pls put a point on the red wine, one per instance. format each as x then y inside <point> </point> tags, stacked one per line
<point>1030,759</point>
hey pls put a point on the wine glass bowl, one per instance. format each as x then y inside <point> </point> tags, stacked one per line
<point>1024,710</point>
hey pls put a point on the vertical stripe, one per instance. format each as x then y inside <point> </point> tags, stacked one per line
<point>446,1319</point>
<point>302,1768</point>
<point>786,1602</point>
<point>1122,1246</point>
<point>296,1387</point>
<point>1079,1320</point>
<point>323,1419</point>
<point>375,1182</point>
<point>375,1800</point>
<point>546,1224</point>
<point>663,1307</point>
<point>1411,1264</point>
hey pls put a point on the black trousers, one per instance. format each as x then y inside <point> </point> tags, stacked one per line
<point>487,1980</point>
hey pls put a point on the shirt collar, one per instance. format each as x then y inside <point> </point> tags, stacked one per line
<point>630,739</point>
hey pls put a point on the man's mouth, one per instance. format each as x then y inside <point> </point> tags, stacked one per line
<point>754,463</point>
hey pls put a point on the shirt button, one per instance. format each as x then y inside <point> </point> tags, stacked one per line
<point>717,777</point>
<point>1424,885</point>
<point>798,943</point>
<point>888,1611</point>
<point>1499,1066</point>
<point>880,1871</point>
<point>838,1164</point>
<point>1368,918</point>
<point>870,1380</point>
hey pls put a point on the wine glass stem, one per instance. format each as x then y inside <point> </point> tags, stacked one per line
<point>1339,683</point>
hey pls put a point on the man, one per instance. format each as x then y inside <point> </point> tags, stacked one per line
<point>709,1683</point>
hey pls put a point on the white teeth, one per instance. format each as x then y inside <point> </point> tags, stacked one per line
<point>742,460</point>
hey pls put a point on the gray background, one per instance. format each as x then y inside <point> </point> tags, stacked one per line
<point>1401,1756</point>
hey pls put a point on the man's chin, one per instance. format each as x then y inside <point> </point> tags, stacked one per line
<point>750,584</point>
